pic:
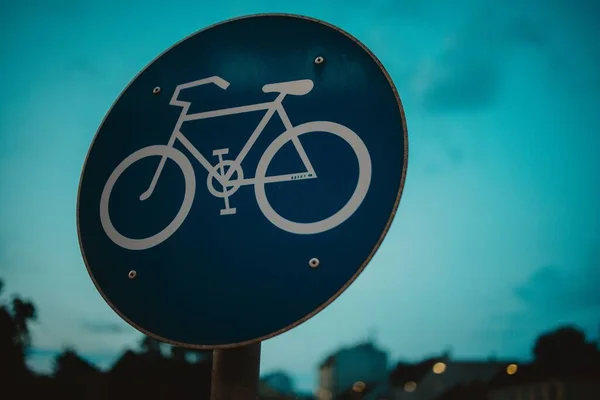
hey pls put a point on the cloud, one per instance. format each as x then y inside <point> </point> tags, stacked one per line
<point>550,297</point>
<point>103,327</point>
<point>468,74</point>
<point>86,66</point>
<point>464,75</point>
<point>553,289</point>
<point>469,85</point>
<point>524,30</point>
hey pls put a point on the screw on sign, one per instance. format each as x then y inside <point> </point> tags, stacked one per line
<point>239,184</point>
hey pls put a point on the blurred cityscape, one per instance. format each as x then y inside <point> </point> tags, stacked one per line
<point>565,366</point>
<point>496,246</point>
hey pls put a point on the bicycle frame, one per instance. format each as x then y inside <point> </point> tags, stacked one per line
<point>271,108</point>
<point>230,186</point>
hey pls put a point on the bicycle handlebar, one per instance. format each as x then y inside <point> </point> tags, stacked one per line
<point>217,80</point>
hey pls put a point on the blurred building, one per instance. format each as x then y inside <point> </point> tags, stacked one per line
<point>432,378</point>
<point>530,382</point>
<point>448,374</point>
<point>548,390</point>
<point>355,367</point>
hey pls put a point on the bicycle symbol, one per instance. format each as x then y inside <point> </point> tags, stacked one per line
<point>223,172</point>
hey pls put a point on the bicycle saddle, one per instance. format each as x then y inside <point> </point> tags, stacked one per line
<point>296,88</point>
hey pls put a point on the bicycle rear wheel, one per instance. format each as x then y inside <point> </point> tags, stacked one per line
<point>362,184</point>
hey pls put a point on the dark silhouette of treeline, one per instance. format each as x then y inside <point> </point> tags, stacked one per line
<point>158,371</point>
<point>155,371</point>
<point>561,355</point>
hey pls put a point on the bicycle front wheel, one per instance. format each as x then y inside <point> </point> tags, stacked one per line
<point>188,197</point>
<point>362,184</point>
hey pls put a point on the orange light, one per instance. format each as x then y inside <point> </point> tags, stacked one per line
<point>439,368</point>
<point>512,369</point>
<point>359,386</point>
<point>410,386</point>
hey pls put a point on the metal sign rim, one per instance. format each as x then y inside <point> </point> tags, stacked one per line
<point>356,274</point>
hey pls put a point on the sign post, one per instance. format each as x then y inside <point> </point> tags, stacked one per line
<point>239,184</point>
<point>235,373</point>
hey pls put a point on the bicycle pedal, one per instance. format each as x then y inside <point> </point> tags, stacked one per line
<point>228,211</point>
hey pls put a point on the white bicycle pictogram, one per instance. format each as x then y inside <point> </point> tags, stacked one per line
<point>223,172</point>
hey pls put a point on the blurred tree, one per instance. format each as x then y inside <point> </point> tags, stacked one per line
<point>23,312</point>
<point>179,354</point>
<point>144,375</point>
<point>12,360</point>
<point>280,381</point>
<point>565,351</point>
<point>76,378</point>
<point>151,346</point>
<point>189,355</point>
<point>14,337</point>
<point>69,366</point>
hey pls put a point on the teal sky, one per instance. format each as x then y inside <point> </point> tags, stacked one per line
<point>497,236</point>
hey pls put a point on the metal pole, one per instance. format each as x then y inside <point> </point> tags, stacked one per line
<point>235,373</point>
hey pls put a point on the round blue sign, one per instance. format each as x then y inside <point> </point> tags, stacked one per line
<point>242,181</point>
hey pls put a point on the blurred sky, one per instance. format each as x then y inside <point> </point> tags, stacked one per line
<point>497,235</point>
